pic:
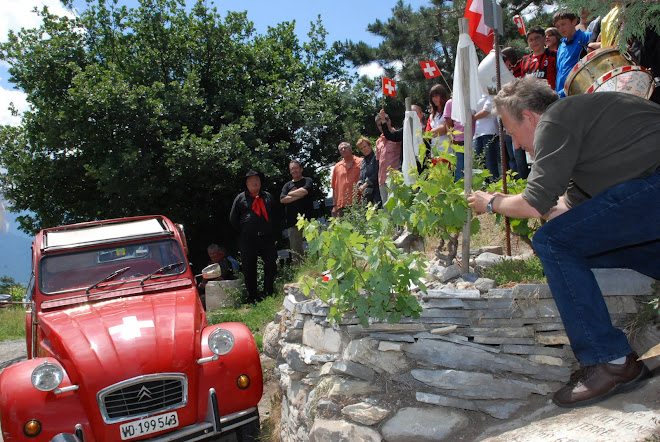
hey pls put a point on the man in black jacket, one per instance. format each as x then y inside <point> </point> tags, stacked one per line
<point>252,216</point>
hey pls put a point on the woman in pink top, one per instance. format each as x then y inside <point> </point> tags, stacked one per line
<point>438,96</point>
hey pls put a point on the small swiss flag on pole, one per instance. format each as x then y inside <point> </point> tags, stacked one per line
<point>389,87</point>
<point>518,20</point>
<point>480,34</point>
<point>430,69</point>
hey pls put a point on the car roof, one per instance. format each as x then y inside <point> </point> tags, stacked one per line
<point>89,233</point>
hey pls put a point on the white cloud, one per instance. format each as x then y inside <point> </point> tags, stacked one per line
<point>371,70</point>
<point>17,14</point>
<point>20,103</point>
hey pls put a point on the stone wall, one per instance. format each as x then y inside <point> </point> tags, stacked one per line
<point>477,352</point>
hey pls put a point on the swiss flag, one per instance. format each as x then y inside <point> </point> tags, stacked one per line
<point>518,20</point>
<point>481,34</point>
<point>389,87</point>
<point>430,69</point>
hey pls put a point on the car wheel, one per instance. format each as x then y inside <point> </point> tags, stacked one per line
<point>248,432</point>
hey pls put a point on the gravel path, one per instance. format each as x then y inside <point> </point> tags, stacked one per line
<point>11,352</point>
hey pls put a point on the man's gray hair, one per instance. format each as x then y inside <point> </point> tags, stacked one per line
<point>528,93</point>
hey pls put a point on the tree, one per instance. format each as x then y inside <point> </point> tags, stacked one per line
<point>157,110</point>
<point>409,37</point>
<point>639,16</point>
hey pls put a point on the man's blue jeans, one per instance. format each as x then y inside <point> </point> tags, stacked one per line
<point>618,228</point>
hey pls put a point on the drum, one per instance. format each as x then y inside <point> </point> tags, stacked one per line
<point>598,65</point>
<point>635,80</point>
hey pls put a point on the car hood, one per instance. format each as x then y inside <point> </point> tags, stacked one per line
<point>101,343</point>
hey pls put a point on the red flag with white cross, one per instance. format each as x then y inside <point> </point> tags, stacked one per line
<point>389,87</point>
<point>520,23</point>
<point>430,69</point>
<point>481,35</point>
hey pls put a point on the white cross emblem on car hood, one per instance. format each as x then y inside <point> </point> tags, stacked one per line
<point>131,327</point>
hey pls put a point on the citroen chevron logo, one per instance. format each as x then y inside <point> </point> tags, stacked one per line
<point>144,393</point>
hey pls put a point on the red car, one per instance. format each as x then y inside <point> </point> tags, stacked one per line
<point>119,348</point>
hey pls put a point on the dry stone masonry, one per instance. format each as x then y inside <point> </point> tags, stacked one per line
<point>476,351</point>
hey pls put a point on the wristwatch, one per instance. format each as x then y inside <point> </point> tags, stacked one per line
<point>489,206</point>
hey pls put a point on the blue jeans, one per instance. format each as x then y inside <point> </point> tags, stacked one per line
<point>517,159</point>
<point>460,162</point>
<point>616,229</point>
<point>491,145</point>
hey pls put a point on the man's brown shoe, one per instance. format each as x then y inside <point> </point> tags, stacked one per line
<point>598,382</point>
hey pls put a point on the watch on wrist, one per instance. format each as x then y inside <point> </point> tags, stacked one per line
<point>489,206</point>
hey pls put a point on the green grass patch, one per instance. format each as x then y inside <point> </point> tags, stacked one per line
<point>254,317</point>
<point>12,323</point>
<point>529,270</point>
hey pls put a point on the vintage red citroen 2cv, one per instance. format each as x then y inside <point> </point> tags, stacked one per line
<point>119,347</point>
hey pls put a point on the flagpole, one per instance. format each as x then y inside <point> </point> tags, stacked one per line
<point>496,46</point>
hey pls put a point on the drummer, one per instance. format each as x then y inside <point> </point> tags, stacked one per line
<point>571,48</point>
<point>599,186</point>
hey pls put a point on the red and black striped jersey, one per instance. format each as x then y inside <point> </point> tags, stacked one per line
<point>541,66</point>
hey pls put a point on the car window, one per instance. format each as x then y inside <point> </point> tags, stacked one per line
<point>81,269</point>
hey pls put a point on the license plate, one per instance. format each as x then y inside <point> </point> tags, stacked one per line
<point>148,425</point>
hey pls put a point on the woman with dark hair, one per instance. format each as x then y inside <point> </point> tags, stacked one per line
<point>552,38</point>
<point>438,97</point>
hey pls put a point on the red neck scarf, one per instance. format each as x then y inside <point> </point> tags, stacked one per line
<point>258,206</point>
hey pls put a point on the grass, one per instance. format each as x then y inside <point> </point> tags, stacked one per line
<point>516,271</point>
<point>255,317</point>
<point>12,323</point>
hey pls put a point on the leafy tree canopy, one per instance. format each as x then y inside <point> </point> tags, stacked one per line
<point>157,110</point>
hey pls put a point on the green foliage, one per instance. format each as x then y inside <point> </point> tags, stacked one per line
<point>255,317</point>
<point>12,323</point>
<point>516,271</point>
<point>525,227</point>
<point>638,16</point>
<point>162,109</point>
<point>10,287</point>
<point>368,275</point>
<point>434,205</point>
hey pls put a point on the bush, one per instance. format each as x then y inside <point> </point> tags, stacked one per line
<point>516,271</point>
<point>367,274</point>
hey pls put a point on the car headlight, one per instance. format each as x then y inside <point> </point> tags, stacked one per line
<point>47,376</point>
<point>221,341</point>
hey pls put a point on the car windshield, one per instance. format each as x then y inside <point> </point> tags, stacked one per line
<point>84,269</point>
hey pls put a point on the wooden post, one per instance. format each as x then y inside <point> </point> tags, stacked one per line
<point>464,56</point>
<point>503,152</point>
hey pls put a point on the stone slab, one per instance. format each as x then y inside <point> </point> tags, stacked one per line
<point>630,417</point>
<point>457,339</point>
<point>445,293</point>
<point>393,337</point>
<point>623,282</point>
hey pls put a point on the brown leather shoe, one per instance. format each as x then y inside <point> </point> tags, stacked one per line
<point>598,382</point>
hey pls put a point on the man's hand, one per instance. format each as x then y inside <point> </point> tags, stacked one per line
<point>479,200</point>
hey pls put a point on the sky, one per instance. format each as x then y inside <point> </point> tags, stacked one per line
<point>343,19</point>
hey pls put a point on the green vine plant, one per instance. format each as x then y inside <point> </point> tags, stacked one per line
<point>434,205</point>
<point>523,227</point>
<point>365,273</point>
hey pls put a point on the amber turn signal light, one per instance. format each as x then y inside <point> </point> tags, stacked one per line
<point>243,381</point>
<point>32,428</point>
